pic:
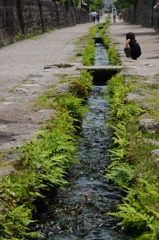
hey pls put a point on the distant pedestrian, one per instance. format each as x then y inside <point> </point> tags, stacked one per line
<point>114,15</point>
<point>119,15</point>
<point>93,15</point>
<point>98,17</point>
<point>132,48</point>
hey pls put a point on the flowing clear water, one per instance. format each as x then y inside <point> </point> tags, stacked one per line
<point>101,55</point>
<point>79,211</point>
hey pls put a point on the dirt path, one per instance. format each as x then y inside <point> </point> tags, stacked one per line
<point>23,75</point>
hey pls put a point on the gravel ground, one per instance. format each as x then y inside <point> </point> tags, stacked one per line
<point>24,75</point>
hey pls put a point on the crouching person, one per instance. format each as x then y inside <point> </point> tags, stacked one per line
<point>132,48</point>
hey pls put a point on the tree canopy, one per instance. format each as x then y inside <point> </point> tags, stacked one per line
<point>124,3</point>
<point>94,4</point>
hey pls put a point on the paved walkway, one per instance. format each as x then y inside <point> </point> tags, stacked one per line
<point>23,75</point>
<point>148,38</point>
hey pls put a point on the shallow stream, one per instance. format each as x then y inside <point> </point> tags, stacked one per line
<point>79,211</point>
<point>101,56</point>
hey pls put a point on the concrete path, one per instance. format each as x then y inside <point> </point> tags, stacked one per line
<point>25,73</point>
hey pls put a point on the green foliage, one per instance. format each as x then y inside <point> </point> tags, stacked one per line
<point>113,55</point>
<point>94,4</point>
<point>102,31</point>
<point>28,35</point>
<point>106,41</point>
<point>124,3</point>
<point>43,165</point>
<point>137,211</point>
<point>69,3</point>
<point>18,219</point>
<point>73,104</point>
<point>120,137</point>
<point>82,86</point>
<point>132,168</point>
<point>89,54</point>
<point>122,109</point>
<point>104,26</point>
<point>18,37</point>
<point>113,86</point>
<point>122,174</point>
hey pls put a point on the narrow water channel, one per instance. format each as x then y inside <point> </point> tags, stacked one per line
<point>101,56</point>
<point>79,211</point>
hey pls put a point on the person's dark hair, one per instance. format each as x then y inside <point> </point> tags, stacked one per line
<point>130,35</point>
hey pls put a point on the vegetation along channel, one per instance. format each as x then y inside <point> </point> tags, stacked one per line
<point>79,211</point>
<point>83,176</point>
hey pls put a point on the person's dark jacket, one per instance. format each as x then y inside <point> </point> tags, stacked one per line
<point>135,49</point>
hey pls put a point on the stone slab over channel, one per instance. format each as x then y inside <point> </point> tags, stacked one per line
<point>117,68</point>
<point>101,74</point>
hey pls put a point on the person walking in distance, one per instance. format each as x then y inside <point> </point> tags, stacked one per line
<point>98,17</point>
<point>114,15</point>
<point>93,15</point>
<point>119,16</point>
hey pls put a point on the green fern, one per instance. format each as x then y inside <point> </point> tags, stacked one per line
<point>121,173</point>
<point>43,165</point>
<point>139,209</point>
<point>120,135</point>
<point>89,54</point>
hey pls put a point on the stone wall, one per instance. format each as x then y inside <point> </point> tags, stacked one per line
<point>24,18</point>
<point>29,16</point>
<point>143,13</point>
<point>49,15</point>
<point>9,24</point>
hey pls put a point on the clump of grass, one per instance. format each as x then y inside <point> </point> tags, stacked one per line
<point>89,54</point>
<point>82,86</point>
<point>45,101</point>
<point>133,168</point>
<point>113,56</point>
